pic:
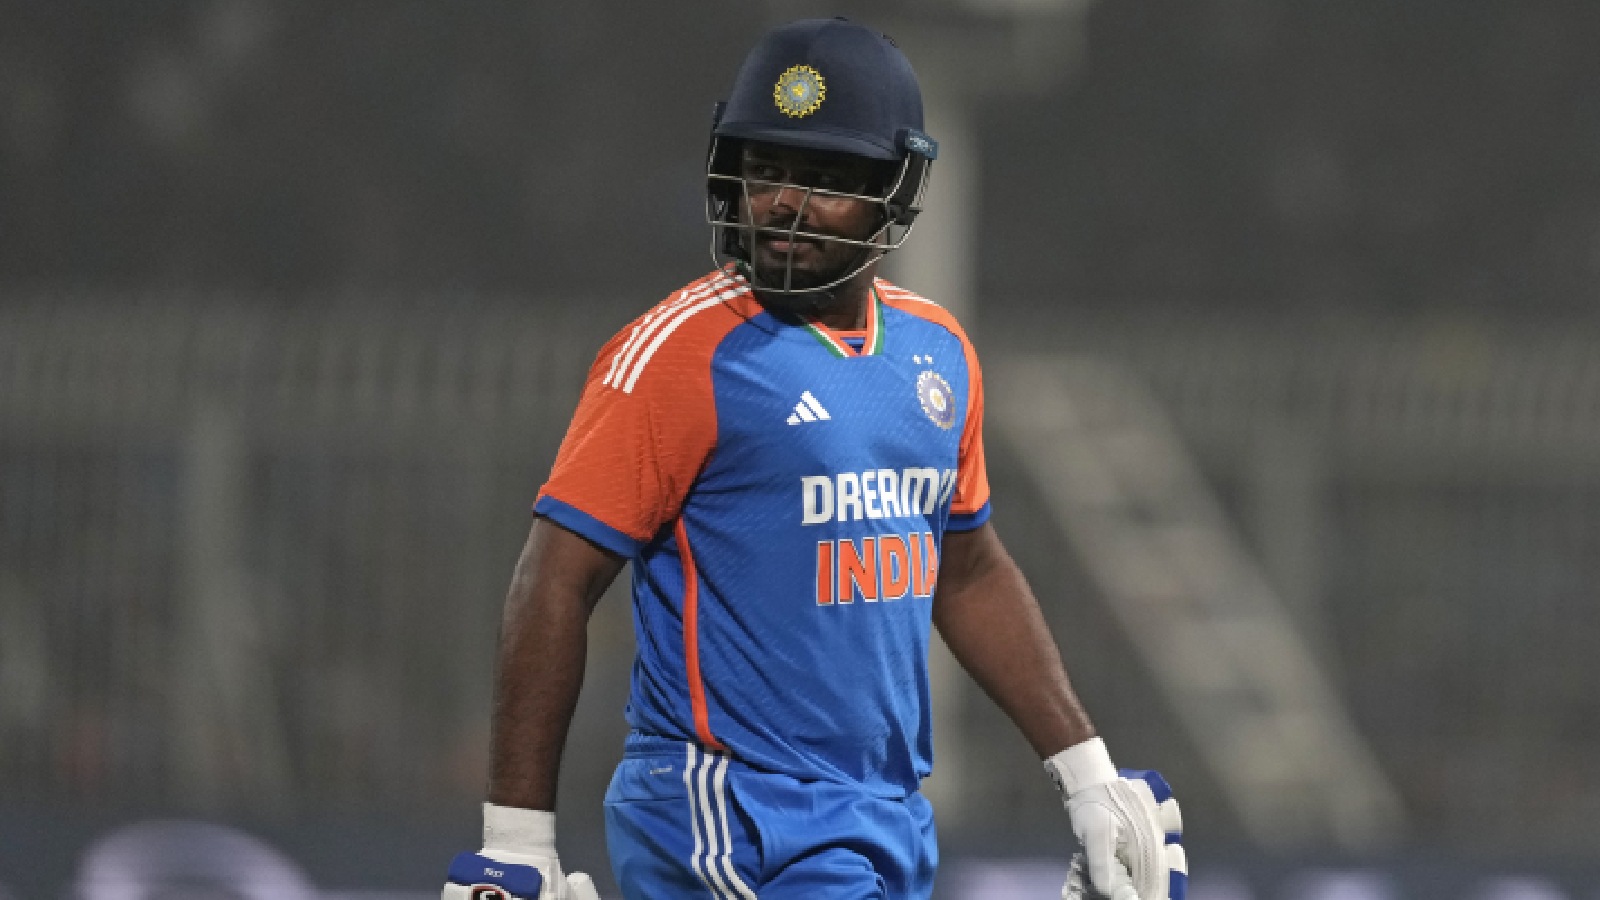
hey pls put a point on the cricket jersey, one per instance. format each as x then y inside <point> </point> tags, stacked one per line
<point>782,490</point>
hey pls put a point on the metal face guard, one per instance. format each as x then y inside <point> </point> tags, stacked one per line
<point>732,237</point>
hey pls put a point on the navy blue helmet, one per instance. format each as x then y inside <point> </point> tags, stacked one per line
<point>820,85</point>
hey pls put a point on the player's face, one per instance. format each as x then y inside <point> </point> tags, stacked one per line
<point>776,179</point>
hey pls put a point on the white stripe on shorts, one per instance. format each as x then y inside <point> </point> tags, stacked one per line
<point>721,779</point>
<point>712,860</point>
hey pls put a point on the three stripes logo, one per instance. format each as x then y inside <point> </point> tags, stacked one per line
<point>808,410</point>
<point>706,777</point>
<point>629,362</point>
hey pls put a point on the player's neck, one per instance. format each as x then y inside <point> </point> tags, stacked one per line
<point>849,311</point>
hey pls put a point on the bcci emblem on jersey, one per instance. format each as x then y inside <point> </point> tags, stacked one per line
<point>937,399</point>
<point>799,91</point>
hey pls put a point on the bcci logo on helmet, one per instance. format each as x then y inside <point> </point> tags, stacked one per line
<point>938,401</point>
<point>800,91</point>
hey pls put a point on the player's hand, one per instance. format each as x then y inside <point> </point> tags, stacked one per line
<point>477,876</point>
<point>518,861</point>
<point>1118,821</point>
<point>1079,886</point>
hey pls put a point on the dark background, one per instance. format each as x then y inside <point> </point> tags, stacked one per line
<point>1431,154</point>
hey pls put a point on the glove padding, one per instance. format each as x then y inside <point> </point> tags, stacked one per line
<point>1130,829</point>
<point>1078,886</point>
<point>506,876</point>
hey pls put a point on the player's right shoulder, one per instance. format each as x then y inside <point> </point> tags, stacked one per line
<point>676,338</point>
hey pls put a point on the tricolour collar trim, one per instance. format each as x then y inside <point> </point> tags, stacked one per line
<point>871,346</point>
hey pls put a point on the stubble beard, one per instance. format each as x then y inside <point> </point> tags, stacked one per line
<point>804,294</point>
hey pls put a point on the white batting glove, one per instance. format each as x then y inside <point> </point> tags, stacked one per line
<point>1118,822</point>
<point>518,861</point>
<point>1078,887</point>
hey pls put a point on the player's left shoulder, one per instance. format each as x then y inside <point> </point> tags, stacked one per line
<point>914,304</point>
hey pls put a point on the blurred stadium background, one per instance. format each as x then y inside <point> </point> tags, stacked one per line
<point>1289,314</point>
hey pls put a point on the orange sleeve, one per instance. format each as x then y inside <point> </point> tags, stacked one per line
<point>644,427</point>
<point>971,498</point>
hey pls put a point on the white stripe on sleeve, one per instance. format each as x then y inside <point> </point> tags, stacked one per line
<point>666,331</point>
<point>642,331</point>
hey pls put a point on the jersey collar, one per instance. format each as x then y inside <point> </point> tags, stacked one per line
<point>838,346</point>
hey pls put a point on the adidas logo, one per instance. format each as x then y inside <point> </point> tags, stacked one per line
<point>808,410</point>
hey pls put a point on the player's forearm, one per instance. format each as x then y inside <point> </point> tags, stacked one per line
<point>539,667</point>
<point>539,675</point>
<point>991,622</point>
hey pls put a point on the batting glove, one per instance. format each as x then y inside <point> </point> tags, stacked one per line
<point>1078,886</point>
<point>518,861</point>
<point>1119,822</point>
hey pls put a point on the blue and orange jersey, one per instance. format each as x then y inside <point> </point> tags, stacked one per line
<point>782,490</point>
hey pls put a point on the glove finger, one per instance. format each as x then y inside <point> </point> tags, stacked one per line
<point>1106,871</point>
<point>1143,838</point>
<point>1074,888</point>
<point>1152,779</point>
<point>1178,872</point>
<point>1177,859</point>
<point>1171,818</point>
<point>1141,790</point>
<point>581,887</point>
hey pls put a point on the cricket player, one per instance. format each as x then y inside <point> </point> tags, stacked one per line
<point>789,450</point>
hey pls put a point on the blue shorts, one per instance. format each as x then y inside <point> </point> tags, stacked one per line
<point>685,822</point>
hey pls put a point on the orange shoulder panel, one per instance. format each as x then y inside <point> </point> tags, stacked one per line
<point>647,419</point>
<point>972,475</point>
